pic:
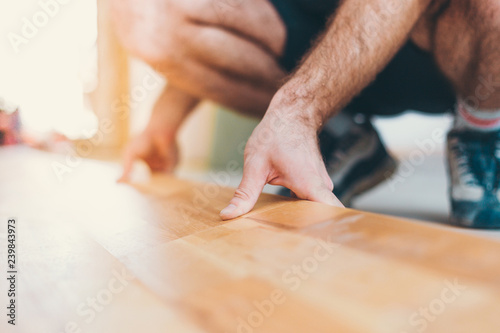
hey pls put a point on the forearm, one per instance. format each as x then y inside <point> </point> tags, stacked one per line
<point>359,42</point>
<point>171,109</point>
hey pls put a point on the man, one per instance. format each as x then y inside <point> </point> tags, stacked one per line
<point>367,56</point>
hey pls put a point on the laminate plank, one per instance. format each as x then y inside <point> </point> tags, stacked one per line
<point>424,244</point>
<point>288,266</point>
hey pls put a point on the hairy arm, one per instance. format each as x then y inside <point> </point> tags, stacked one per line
<point>362,37</point>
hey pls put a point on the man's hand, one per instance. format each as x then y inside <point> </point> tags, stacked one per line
<point>156,148</point>
<point>282,151</point>
<point>157,145</point>
<point>358,43</point>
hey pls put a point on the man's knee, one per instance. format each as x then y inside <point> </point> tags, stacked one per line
<point>422,34</point>
<point>478,14</point>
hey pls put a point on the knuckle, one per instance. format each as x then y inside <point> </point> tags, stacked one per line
<point>161,55</point>
<point>196,9</point>
<point>253,160</point>
<point>243,194</point>
<point>142,41</point>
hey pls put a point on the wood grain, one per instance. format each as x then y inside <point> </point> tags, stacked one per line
<point>97,256</point>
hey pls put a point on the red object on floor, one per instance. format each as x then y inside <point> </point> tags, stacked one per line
<point>10,128</point>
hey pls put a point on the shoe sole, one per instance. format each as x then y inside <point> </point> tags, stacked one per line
<point>457,222</point>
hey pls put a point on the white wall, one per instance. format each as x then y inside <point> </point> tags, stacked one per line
<point>403,133</point>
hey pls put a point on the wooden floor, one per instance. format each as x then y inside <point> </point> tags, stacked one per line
<point>96,256</point>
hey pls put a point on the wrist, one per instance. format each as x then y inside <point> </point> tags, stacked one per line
<point>297,105</point>
<point>159,126</point>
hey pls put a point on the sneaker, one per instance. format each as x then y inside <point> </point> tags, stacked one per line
<point>474,171</point>
<point>354,155</point>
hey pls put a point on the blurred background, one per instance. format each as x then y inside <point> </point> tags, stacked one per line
<point>63,68</point>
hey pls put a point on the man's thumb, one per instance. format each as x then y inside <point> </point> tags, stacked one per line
<point>245,196</point>
<point>324,195</point>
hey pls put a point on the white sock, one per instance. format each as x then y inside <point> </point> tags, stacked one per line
<point>476,119</point>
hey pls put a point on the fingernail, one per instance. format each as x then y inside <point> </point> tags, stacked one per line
<point>228,210</point>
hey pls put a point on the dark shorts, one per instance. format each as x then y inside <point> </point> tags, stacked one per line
<point>411,81</point>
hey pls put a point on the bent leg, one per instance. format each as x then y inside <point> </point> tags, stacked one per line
<point>464,37</point>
